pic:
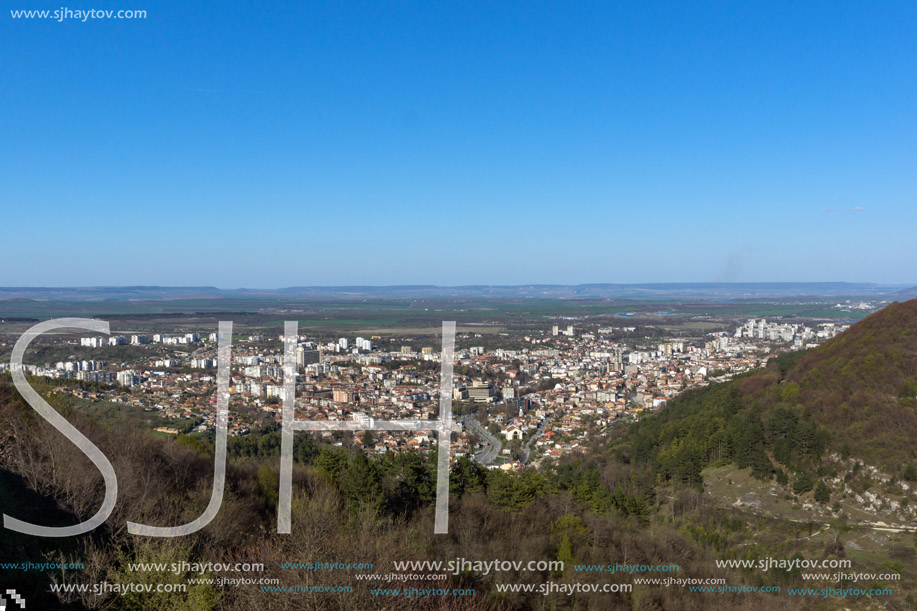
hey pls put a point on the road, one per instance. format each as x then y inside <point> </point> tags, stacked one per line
<point>488,454</point>
<point>528,444</point>
<point>193,354</point>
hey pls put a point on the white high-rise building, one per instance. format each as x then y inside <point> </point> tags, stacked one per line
<point>128,378</point>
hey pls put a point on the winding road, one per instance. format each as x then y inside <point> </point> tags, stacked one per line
<point>488,454</point>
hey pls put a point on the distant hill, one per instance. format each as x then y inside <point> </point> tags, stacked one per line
<point>644,291</point>
<point>908,293</point>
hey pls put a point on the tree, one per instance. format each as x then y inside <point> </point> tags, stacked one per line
<point>629,504</point>
<point>782,423</point>
<point>466,476</point>
<point>331,461</point>
<point>414,485</point>
<point>516,450</point>
<point>781,477</point>
<point>783,451</point>
<point>908,389</point>
<point>790,392</point>
<point>910,472</point>
<point>761,466</point>
<point>570,524</point>
<point>361,484</point>
<point>269,483</point>
<point>565,553</point>
<point>803,483</point>
<point>822,492</point>
<point>507,491</point>
<point>681,461</point>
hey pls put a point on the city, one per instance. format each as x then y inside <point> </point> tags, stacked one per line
<point>551,396</point>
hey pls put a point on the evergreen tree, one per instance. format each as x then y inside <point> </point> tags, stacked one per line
<point>565,553</point>
<point>822,492</point>
<point>761,466</point>
<point>805,438</point>
<point>783,451</point>
<point>910,473</point>
<point>782,424</point>
<point>331,461</point>
<point>413,483</point>
<point>507,491</point>
<point>466,476</point>
<point>803,483</point>
<point>361,484</point>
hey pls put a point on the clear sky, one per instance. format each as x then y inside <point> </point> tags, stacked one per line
<point>244,144</point>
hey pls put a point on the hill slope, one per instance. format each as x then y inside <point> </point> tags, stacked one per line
<point>854,395</point>
<point>862,385</point>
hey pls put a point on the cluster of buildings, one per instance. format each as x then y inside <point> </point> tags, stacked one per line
<point>139,340</point>
<point>546,398</point>
<point>798,334</point>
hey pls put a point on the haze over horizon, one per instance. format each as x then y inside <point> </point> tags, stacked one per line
<point>460,145</point>
<point>521,284</point>
<point>717,291</point>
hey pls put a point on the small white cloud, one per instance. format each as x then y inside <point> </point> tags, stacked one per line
<point>827,209</point>
<point>857,208</point>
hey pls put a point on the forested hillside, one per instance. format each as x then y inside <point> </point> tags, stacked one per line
<point>346,508</point>
<point>855,395</point>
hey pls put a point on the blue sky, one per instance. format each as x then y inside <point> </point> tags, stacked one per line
<point>273,144</point>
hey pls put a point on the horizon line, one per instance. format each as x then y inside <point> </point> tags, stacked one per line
<point>458,286</point>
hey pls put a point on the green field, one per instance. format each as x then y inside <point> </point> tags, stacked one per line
<point>387,314</point>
